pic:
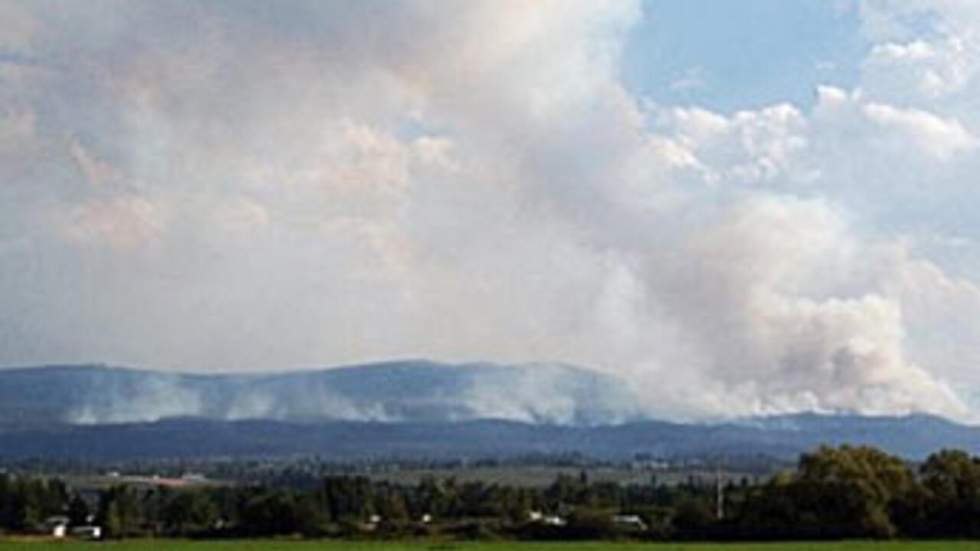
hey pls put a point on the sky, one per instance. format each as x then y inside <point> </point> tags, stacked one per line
<point>741,208</point>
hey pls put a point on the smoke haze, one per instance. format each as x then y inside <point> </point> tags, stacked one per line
<point>236,186</point>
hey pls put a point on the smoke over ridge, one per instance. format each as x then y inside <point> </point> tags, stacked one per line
<point>402,391</point>
<point>241,186</point>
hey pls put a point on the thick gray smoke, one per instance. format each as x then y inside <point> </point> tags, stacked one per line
<point>242,185</point>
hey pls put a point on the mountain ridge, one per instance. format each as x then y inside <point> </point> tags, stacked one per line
<point>412,409</point>
<point>405,390</point>
<point>476,439</point>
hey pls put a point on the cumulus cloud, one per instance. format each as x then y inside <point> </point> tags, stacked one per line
<point>933,135</point>
<point>253,186</point>
<point>919,68</point>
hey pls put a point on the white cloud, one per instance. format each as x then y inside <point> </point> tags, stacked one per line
<point>748,147</point>
<point>919,68</point>
<point>692,79</point>
<point>931,134</point>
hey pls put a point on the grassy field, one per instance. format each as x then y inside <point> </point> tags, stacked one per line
<point>284,545</point>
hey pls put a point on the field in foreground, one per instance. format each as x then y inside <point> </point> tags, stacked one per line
<point>283,545</point>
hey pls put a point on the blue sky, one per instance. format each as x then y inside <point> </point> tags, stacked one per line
<point>742,55</point>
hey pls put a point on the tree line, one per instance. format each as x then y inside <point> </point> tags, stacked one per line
<point>843,492</point>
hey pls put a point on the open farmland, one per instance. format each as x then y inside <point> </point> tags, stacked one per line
<point>286,545</point>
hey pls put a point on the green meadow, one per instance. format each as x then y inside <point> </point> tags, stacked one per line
<point>332,545</point>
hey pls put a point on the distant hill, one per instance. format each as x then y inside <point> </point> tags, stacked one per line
<point>410,409</point>
<point>912,437</point>
<point>405,391</point>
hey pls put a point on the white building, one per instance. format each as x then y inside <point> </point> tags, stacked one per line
<point>56,526</point>
<point>87,532</point>
<point>633,521</point>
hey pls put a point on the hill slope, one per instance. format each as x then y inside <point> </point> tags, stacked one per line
<point>407,391</point>
<point>411,409</point>
<point>911,437</point>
